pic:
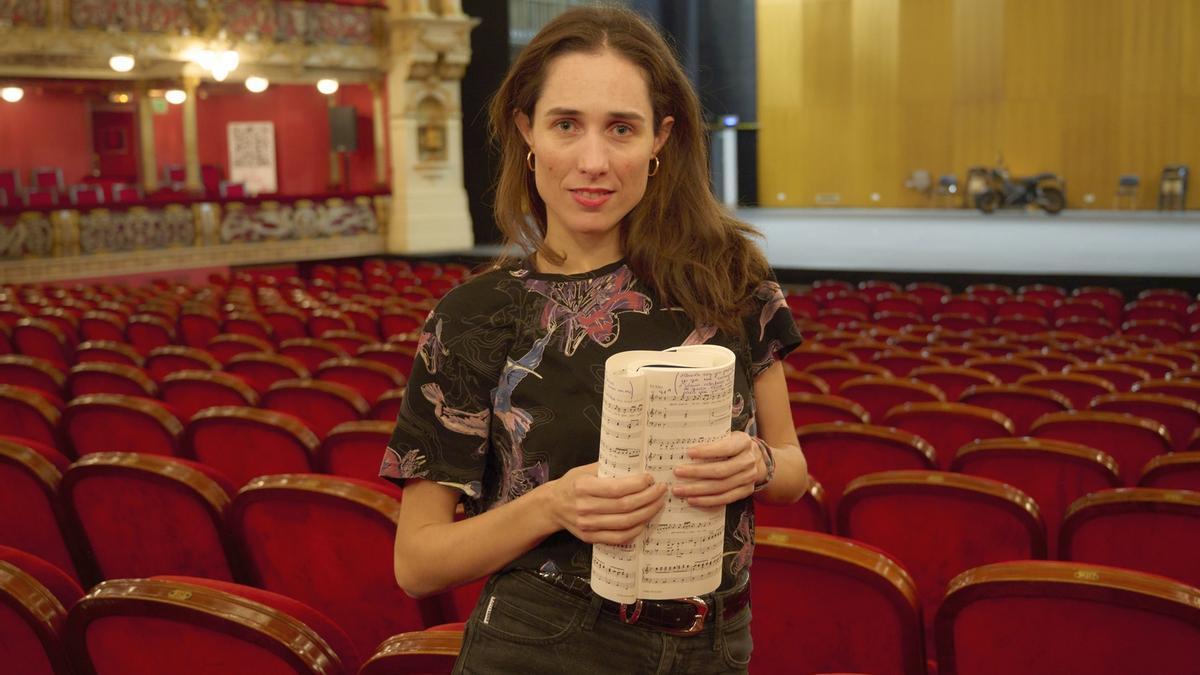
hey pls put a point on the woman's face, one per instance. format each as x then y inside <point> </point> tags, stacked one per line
<point>592,136</point>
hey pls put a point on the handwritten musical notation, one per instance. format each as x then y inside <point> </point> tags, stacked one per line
<point>656,406</point>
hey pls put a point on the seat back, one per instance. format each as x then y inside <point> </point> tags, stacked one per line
<point>811,512</point>
<point>1022,405</point>
<point>102,325</point>
<point>829,604</point>
<point>1053,473</point>
<point>1146,529</point>
<point>109,378</point>
<point>939,525</point>
<point>228,345</point>
<point>355,449</point>
<point>116,423</point>
<point>877,395</point>
<point>1079,388</point>
<point>311,352</point>
<point>148,331</point>
<point>321,405</point>
<point>144,515</point>
<point>1131,441</point>
<point>1177,471</point>
<point>838,453</point>
<point>953,380</point>
<point>31,619</point>
<point>948,426</point>
<point>108,351</point>
<point>198,327</point>
<point>244,443</point>
<point>190,391</point>
<point>424,651</point>
<point>42,339</point>
<point>32,373</point>
<point>368,378</point>
<point>1049,618</point>
<point>26,413</point>
<point>30,473</point>
<point>1006,369</point>
<point>192,626</point>
<point>162,361</point>
<point>328,542</point>
<point>1180,416</point>
<point>817,408</point>
<point>263,369</point>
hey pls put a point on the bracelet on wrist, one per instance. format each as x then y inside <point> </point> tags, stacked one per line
<point>768,459</point>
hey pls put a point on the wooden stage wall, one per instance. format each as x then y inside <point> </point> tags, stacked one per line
<point>856,94</point>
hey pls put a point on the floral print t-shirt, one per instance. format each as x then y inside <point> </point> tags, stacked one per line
<point>506,392</point>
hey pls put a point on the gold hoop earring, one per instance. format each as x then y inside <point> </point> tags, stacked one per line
<point>656,165</point>
<point>529,160</point>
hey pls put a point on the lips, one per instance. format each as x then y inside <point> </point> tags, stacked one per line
<point>591,197</point>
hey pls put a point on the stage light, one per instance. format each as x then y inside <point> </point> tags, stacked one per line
<point>257,84</point>
<point>175,96</point>
<point>119,97</point>
<point>122,63</point>
<point>327,86</point>
<point>12,94</point>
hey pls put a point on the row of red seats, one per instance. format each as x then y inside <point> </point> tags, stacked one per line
<point>1095,312</point>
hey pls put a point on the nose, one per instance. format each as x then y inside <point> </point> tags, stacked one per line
<point>593,155</point>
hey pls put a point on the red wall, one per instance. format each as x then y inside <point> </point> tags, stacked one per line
<point>46,128</point>
<point>52,128</point>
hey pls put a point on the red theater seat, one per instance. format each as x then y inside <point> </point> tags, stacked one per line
<point>190,391</point>
<point>106,351</point>
<point>32,373</point>
<point>311,352</point>
<point>401,323</point>
<point>42,339</point>
<point>193,626</point>
<point>877,395</point>
<point>417,652</point>
<point>162,361</point>
<point>826,604</point>
<point>387,406</point>
<point>398,356</point>
<point>806,355</point>
<point>109,378</point>
<point>835,373</point>
<point>328,542</point>
<point>1006,368</point>
<point>322,405</point>
<point>246,323</point>
<point>1180,416</point>
<point>355,449</point>
<point>144,515</point>
<point>1156,366</point>
<point>1053,473</point>
<point>902,362</point>
<point>949,426</point>
<point>286,322</point>
<point>27,413</point>
<point>1146,529</point>
<point>227,345</point>
<point>809,513</point>
<point>32,614</point>
<point>939,525</point>
<point>1122,376</point>
<point>1079,389</point>
<point>1050,618</point>
<point>199,326</point>
<point>322,320</point>
<point>1131,441</point>
<point>244,443</point>
<point>30,473</point>
<point>838,453</point>
<point>115,423</point>
<point>98,324</point>
<point>953,380</point>
<point>369,378</point>
<point>148,331</point>
<point>1176,471</point>
<point>1182,387</point>
<point>816,408</point>
<point>349,341</point>
<point>1022,405</point>
<point>263,369</point>
<point>805,383</point>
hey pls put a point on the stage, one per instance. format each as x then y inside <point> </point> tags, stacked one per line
<point>1131,249</point>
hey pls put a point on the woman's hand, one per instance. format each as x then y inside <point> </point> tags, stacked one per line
<point>605,510</point>
<point>721,472</point>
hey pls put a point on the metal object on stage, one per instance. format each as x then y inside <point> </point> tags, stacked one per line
<point>1127,191</point>
<point>1172,191</point>
<point>1000,190</point>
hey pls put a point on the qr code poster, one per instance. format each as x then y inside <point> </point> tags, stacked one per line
<point>252,156</point>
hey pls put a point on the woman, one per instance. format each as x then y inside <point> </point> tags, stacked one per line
<point>604,184</point>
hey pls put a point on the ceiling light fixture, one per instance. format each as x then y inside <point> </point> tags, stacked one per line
<point>257,84</point>
<point>122,63</point>
<point>327,86</point>
<point>12,94</point>
<point>175,96</point>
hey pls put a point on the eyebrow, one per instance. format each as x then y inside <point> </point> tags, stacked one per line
<point>571,112</point>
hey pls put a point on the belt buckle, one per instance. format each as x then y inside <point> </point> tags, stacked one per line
<point>698,621</point>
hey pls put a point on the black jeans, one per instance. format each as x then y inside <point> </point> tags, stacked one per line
<point>523,624</point>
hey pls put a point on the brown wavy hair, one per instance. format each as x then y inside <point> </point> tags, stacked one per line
<point>678,239</point>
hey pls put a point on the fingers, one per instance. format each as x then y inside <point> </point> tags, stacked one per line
<point>607,525</point>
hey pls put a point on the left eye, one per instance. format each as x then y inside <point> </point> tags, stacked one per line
<point>623,129</point>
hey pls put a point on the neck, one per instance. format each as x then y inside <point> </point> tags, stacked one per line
<point>580,256</point>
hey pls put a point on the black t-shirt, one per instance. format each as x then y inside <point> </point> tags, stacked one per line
<point>507,387</point>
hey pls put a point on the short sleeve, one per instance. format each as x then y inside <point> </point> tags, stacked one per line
<point>770,328</point>
<point>442,430</point>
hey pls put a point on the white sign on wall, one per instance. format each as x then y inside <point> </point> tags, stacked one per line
<point>252,156</point>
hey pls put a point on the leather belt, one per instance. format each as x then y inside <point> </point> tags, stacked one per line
<point>682,616</point>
